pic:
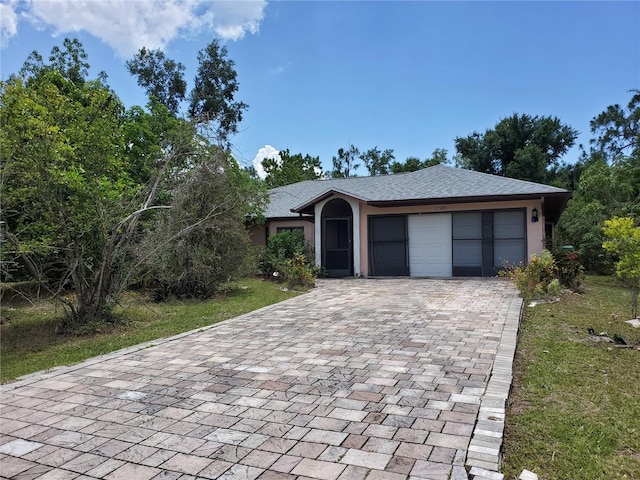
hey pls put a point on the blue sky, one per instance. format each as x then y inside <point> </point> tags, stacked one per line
<point>317,76</point>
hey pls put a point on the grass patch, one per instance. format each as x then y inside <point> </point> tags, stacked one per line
<point>575,404</point>
<point>30,343</point>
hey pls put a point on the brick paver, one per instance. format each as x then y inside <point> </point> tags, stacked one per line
<point>390,379</point>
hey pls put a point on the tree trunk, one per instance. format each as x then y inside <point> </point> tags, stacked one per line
<point>635,290</point>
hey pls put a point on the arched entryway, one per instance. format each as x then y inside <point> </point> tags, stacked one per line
<point>337,238</point>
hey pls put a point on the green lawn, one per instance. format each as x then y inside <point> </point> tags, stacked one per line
<point>29,341</point>
<point>575,406</point>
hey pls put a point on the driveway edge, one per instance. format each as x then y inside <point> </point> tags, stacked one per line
<point>485,448</point>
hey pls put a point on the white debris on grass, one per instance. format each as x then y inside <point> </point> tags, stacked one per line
<point>527,475</point>
<point>635,323</point>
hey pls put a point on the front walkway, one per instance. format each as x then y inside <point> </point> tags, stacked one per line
<point>377,379</point>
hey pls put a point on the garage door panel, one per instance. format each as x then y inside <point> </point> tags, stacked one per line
<point>388,245</point>
<point>430,245</point>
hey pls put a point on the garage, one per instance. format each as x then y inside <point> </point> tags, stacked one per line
<point>458,244</point>
<point>430,245</point>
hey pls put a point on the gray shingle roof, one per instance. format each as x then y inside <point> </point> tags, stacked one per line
<point>433,183</point>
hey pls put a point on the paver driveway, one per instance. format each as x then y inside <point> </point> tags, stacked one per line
<point>382,379</point>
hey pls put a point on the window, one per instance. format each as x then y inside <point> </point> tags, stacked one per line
<point>289,229</point>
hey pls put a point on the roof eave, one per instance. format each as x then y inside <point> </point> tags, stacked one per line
<point>467,199</point>
<point>307,207</point>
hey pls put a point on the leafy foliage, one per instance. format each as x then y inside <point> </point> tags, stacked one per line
<point>608,185</point>
<point>83,181</point>
<point>161,77</point>
<point>345,164</point>
<point>623,240</point>
<point>70,61</point>
<point>66,182</point>
<point>603,191</point>
<point>289,258</point>
<point>519,146</point>
<point>200,243</point>
<point>212,97</point>
<point>538,278</point>
<point>413,164</point>
<point>291,169</point>
<point>569,269</point>
<point>376,161</point>
<point>618,131</point>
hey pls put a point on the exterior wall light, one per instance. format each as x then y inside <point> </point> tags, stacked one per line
<point>534,215</point>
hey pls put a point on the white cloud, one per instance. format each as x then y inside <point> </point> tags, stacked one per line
<point>8,22</point>
<point>232,19</point>
<point>265,152</point>
<point>128,25</point>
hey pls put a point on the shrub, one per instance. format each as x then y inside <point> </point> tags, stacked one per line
<point>289,258</point>
<point>538,278</point>
<point>198,245</point>
<point>569,269</point>
<point>298,273</point>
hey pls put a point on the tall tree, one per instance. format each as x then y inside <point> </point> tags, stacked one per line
<point>212,98</point>
<point>376,161</point>
<point>345,164</point>
<point>608,185</point>
<point>617,132</point>
<point>519,146</point>
<point>212,103</point>
<point>70,61</point>
<point>65,178</point>
<point>80,177</point>
<point>291,169</point>
<point>160,77</point>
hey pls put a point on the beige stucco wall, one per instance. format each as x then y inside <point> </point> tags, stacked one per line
<point>535,231</point>
<point>257,235</point>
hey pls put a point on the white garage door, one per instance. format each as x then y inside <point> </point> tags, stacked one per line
<point>430,245</point>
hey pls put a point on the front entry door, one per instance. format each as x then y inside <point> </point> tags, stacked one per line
<point>338,253</point>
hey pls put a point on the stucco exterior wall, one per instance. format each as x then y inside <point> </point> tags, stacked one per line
<point>257,235</point>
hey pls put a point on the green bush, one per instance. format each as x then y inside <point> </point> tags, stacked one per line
<point>289,258</point>
<point>538,279</point>
<point>298,273</point>
<point>569,269</point>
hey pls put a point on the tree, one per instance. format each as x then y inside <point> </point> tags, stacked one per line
<point>344,165</point>
<point>519,146</point>
<point>412,164</point>
<point>212,96</point>
<point>82,180</point>
<point>70,61</point>
<point>200,243</point>
<point>377,162</point>
<point>623,240</point>
<point>212,103</point>
<point>65,179</point>
<point>160,77</point>
<point>618,132</point>
<point>608,184</point>
<point>291,169</point>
